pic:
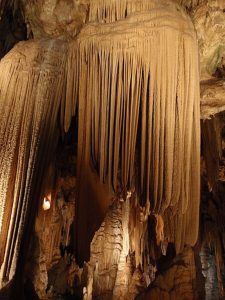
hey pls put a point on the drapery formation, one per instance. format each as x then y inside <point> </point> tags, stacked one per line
<point>137,85</point>
<point>114,10</point>
<point>31,89</point>
<point>111,11</point>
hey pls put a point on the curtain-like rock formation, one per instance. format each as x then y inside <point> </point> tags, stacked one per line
<point>31,84</point>
<point>132,75</point>
<point>138,100</point>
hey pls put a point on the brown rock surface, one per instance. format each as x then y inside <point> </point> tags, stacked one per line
<point>209,21</point>
<point>212,97</point>
<point>178,282</point>
<point>54,18</point>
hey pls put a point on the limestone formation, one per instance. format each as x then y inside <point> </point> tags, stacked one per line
<point>209,22</point>
<point>28,107</point>
<point>136,52</point>
<point>51,18</point>
<point>100,149</point>
<point>212,97</point>
<point>178,282</point>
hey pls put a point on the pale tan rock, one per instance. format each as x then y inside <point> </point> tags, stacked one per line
<point>106,249</point>
<point>111,271</point>
<point>54,18</point>
<point>35,73</point>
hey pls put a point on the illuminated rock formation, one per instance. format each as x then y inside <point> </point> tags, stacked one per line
<point>118,83</point>
<point>133,78</point>
<point>31,89</point>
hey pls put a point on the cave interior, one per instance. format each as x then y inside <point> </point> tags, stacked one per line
<point>112,149</point>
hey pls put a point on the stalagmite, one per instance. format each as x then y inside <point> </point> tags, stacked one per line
<point>31,85</point>
<point>138,104</point>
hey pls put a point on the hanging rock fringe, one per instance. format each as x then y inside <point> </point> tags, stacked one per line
<point>136,77</point>
<point>140,78</point>
<point>109,11</point>
<point>114,10</point>
<point>31,88</point>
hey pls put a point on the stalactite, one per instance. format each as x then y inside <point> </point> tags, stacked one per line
<point>113,10</point>
<point>141,75</point>
<point>31,85</point>
<point>136,85</point>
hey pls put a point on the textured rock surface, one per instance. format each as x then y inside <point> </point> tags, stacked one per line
<point>209,21</point>
<point>178,282</point>
<point>129,246</point>
<point>51,267</point>
<point>53,18</point>
<point>106,249</point>
<point>32,68</point>
<point>112,266</point>
<point>212,212</point>
<point>212,97</point>
<point>110,141</point>
<point>209,271</point>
